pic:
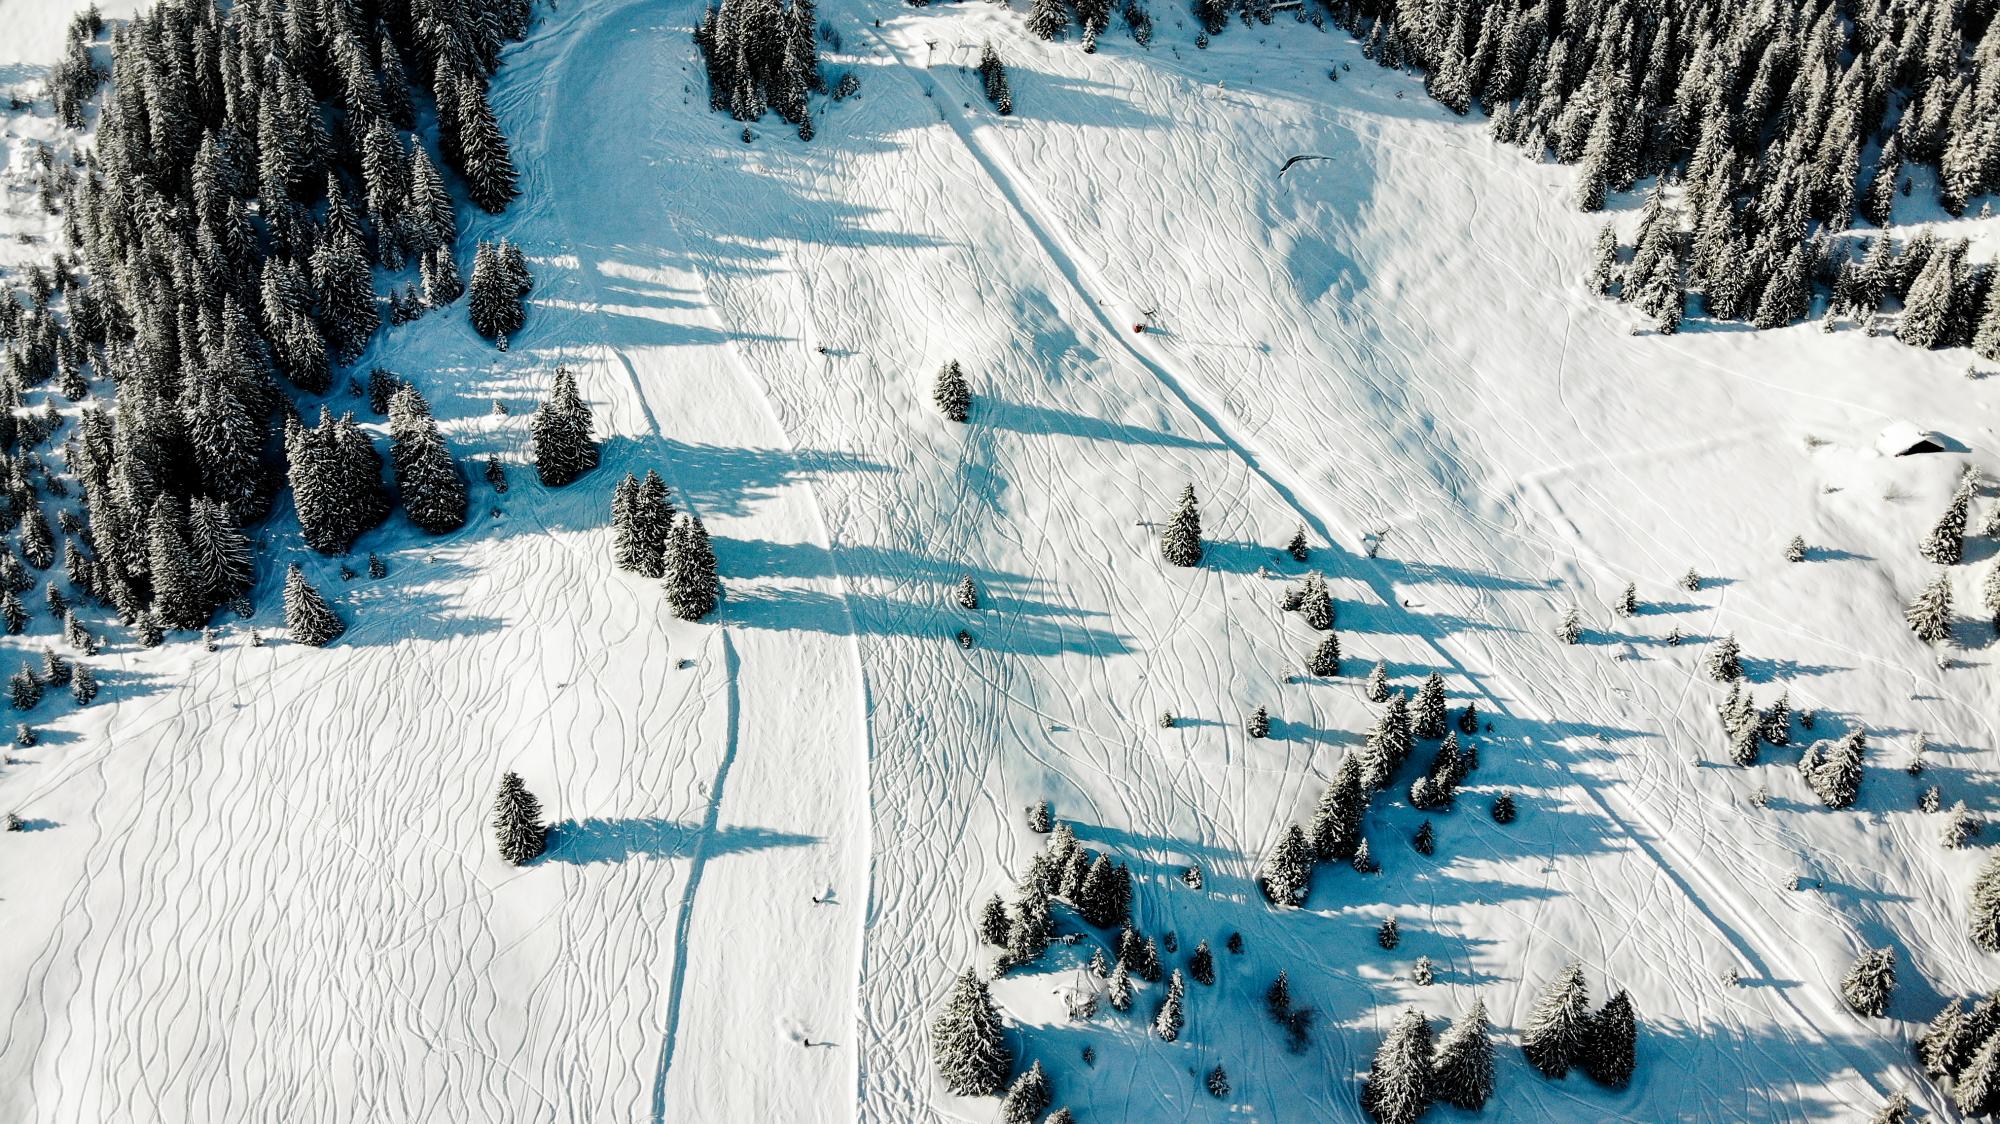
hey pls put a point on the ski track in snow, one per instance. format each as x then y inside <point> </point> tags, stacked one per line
<point>268,888</point>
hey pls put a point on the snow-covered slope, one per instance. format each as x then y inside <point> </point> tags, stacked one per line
<point>261,882</point>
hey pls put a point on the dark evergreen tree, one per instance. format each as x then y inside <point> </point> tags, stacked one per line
<point>1324,662</point>
<point>1870,982</point>
<point>177,598</point>
<point>1608,1053</point>
<point>1259,725</point>
<point>1048,19</point>
<point>1288,868</point>
<point>952,393</point>
<point>993,922</point>
<point>993,79</point>
<point>1201,965</point>
<point>517,821</point>
<point>1377,688</point>
<point>1462,1067</point>
<point>1983,911</point>
<point>564,447</point>
<point>1725,660</point>
<point>1427,716</point>
<point>82,685</point>
<point>693,587</point>
<point>496,307</point>
<point>1180,545</point>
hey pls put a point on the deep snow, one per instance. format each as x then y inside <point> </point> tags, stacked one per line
<point>261,881</point>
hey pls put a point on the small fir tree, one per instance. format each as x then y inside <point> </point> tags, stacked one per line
<point>307,614</point>
<point>972,1054</point>
<point>1180,545</point>
<point>1870,982</point>
<point>517,821</point>
<point>952,393</point>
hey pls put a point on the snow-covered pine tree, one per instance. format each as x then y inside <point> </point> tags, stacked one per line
<point>1376,689</point>
<point>1570,629</point>
<point>1895,1110</point>
<point>626,549</point>
<point>1462,1066</point>
<point>1048,19</point>
<point>1030,927</point>
<point>1425,840</point>
<point>1324,662</point>
<point>484,159</point>
<point>24,690</point>
<point>176,597</point>
<point>1724,662</point>
<point>496,308</point>
<point>1398,1087</point>
<point>432,486</point>
<point>966,594</point>
<point>1336,822</point>
<point>1929,613</point>
<point>218,553</point>
<point>1960,826</point>
<point>1833,769</point>
<point>1604,261</point>
<point>1298,548</point>
<point>1288,868</point>
<point>993,79</point>
<point>517,821</point>
<point>1172,1016</point>
<point>564,448</point>
<point>1316,604</point>
<point>1259,725</point>
<point>1945,544</point>
<point>1926,319</point>
<point>1427,714</point>
<point>1180,544</point>
<point>693,585</point>
<point>1217,1082</point>
<point>1983,911</point>
<point>82,684</point>
<point>1028,1097</point>
<point>1627,604</point>
<point>993,922</point>
<point>307,615</point>
<point>1559,1025</point>
<point>1118,989</point>
<point>1870,982</point>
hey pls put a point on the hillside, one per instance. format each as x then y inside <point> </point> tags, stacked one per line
<point>259,879</point>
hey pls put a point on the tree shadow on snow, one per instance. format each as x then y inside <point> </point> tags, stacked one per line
<point>586,841</point>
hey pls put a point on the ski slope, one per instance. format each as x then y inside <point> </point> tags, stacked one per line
<point>260,883</point>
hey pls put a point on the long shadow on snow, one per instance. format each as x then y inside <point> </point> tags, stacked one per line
<point>585,841</point>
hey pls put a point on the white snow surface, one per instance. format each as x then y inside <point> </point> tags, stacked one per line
<point>259,884</point>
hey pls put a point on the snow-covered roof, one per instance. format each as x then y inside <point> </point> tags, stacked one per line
<point>1902,438</point>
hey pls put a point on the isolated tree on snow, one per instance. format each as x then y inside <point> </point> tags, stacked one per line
<point>967,593</point>
<point>1324,662</point>
<point>1259,725</point>
<point>1389,934</point>
<point>307,614</point>
<point>564,448</point>
<point>1627,603</point>
<point>972,1054</point>
<point>517,821</point>
<point>1167,1024</point>
<point>82,684</point>
<point>1201,965</point>
<point>1929,614</point>
<point>951,393</point>
<point>1288,868</point>
<point>693,587</point>
<point>1028,1097</point>
<point>1983,913</point>
<point>993,78</point>
<point>1570,630</point>
<point>1960,825</point>
<point>1181,544</point>
<point>1795,550</point>
<point>1398,1086</point>
<point>1377,688</point>
<point>1462,1067</point>
<point>1725,660</point>
<point>1217,1082</point>
<point>1559,1024</point>
<point>1298,548</point>
<point>1870,982</point>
